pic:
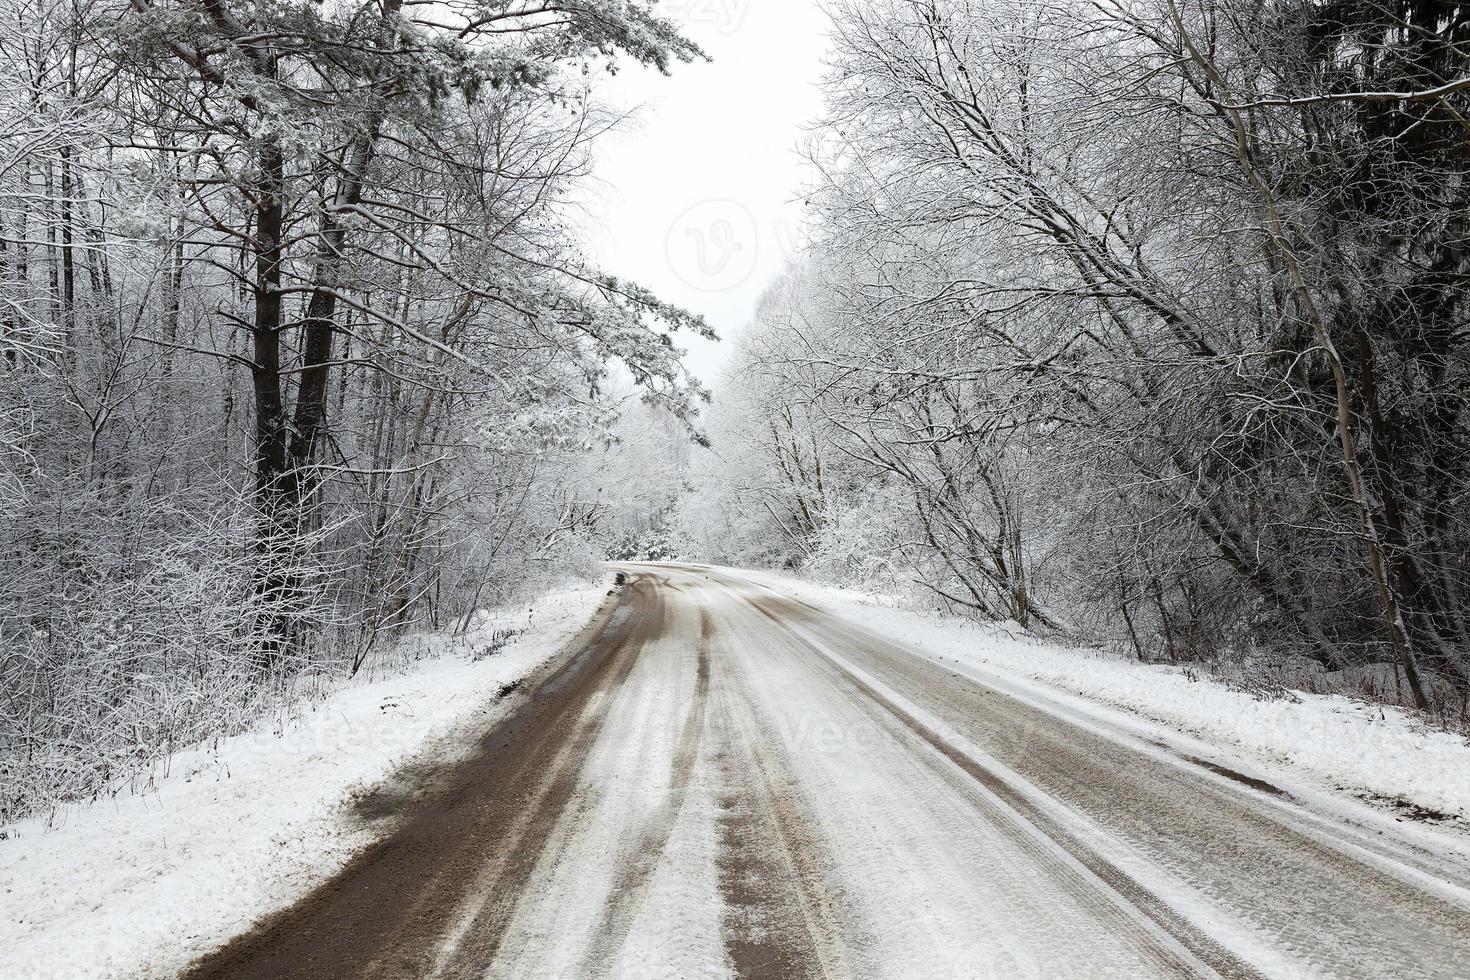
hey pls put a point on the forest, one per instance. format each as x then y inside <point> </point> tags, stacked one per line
<point>1139,323</point>
<point>1134,321</point>
<point>300,350</point>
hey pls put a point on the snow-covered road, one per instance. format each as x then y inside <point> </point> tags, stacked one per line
<point>722,779</point>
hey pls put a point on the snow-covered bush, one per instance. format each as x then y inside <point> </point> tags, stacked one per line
<point>861,540</point>
<point>125,634</point>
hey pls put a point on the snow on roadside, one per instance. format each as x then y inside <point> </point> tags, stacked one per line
<point>139,885</point>
<point>1377,753</point>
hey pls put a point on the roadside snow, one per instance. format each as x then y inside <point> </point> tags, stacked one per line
<point>1375,753</point>
<point>139,885</point>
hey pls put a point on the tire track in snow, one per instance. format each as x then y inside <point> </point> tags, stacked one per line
<point>775,872</point>
<point>1020,818</point>
<point>492,904</point>
<point>392,910</point>
<point>1212,841</point>
<point>923,882</point>
<point>648,848</point>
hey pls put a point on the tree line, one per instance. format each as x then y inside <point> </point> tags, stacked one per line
<point>1140,319</point>
<point>298,348</point>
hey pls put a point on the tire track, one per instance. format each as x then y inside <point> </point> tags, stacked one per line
<point>390,911</point>
<point>1018,817</point>
<point>775,873</point>
<point>1385,909</point>
<point>648,848</point>
<point>472,946</point>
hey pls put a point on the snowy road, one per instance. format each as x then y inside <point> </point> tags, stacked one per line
<point>719,779</point>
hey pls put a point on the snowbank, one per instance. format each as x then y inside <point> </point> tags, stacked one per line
<point>142,884</point>
<point>1375,753</point>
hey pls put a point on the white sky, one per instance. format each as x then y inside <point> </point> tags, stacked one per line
<point>696,198</point>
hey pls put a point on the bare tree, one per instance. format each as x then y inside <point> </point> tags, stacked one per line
<point>1185,278</point>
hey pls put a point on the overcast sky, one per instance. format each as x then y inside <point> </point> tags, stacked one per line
<point>696,198</point>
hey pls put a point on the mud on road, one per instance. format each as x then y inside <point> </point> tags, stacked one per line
<point>471,837</point>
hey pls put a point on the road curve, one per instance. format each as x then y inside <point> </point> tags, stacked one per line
<point>717,779</point>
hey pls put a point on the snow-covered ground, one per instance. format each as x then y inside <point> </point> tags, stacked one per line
<point>139,885</point>
<point>1336,744</point>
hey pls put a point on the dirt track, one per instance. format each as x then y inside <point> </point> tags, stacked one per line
<point>717,779</point>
